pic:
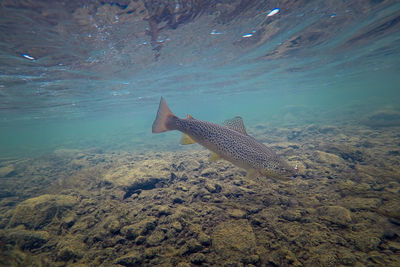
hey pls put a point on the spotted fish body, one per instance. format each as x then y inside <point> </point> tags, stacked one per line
<point>230,142</point>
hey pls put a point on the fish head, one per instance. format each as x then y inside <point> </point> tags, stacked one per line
<point>279,169</point>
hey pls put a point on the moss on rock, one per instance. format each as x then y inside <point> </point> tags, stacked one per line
<point>39,211</point>
<point>234,239</point>
<point>26,239</point>
<point>335,214</point>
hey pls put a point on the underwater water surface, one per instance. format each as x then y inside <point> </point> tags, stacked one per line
<point>84,181</point>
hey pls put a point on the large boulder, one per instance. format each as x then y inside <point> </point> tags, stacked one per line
<point>39,211</point>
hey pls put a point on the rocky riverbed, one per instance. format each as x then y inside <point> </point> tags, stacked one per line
<point>101,208</point>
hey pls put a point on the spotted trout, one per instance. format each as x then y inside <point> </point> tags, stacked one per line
<point>230,142</point>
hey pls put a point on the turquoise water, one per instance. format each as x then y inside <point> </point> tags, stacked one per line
<point>84,181</point>
<point>103,90</point>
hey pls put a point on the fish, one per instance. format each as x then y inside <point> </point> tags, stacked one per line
<point>229,142</point>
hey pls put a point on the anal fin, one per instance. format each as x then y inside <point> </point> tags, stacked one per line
<point>187,140</point>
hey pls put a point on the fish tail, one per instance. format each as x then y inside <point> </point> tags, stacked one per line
<point>165,120</point>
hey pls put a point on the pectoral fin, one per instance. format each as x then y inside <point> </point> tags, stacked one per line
<point>252,174</point>
<point>214,157</point>
<point>187,140</point>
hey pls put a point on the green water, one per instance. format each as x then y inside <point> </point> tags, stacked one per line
<point>344,100</point>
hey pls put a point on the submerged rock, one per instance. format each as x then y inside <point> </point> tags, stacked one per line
<point>391,209</point>
<point>394,246</point>
<point>177,226</point>
<point>130,231</point>
<point>26,239</point>
<point>358,203</point>
<point>283,257</point>
<point>133,258</point>
<point>197,258</point>
<point>155,238</point>
<point>335,214</point>
<point>328,158</point>
<point>67,253</point>
<point>191,246</point>
<point>236,213</point>
<point>39,211</point>
<point>70,248</point>
<point>7,171</point>
<point>366,241</point>
<point>292,215</point>
<point>142,184</point>
<point>213,188</point>
<point>383,118</point>
<point>204,239</point>
<point>112,224</point>
<point>162,210</point>
<point>143,176</point>
<point>144,227</point>
<point>234,239</point>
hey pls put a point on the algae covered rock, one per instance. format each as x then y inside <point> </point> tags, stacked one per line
<point>359,203</point>
<point>39,211</point>
<point>191,246</point>
<point>133,258</point>
<point>67,253</point>
<point>213,188</point>
<point>144,175</point>
<point>234,239</point>
<point>155,238</point>
<point>391,209</point>
<point>130,231</point>
<point>162,210</point>
<point>292,215</point>
<point>7,171</point>
<point>283,257</point>
<point>144,227</point>
<point>366,241</point>
<point>70,248</point>
<point>335,214</point>
<point>197,258</point>
<point>329,158</point>
<point>177,226</point>
<point>236,213</point>
<point>112,224</point>
<point>204,239</point>
<point>387,117</point>
<point>25,239</point>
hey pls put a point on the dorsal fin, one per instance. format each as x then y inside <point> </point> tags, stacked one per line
<point>189,117</point>
<point>236,124</point>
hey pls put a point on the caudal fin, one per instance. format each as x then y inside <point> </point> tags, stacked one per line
<point>165,118</point>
